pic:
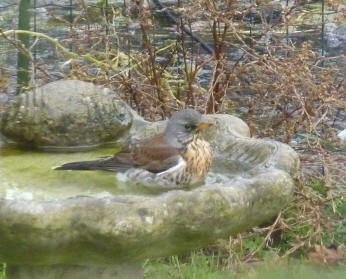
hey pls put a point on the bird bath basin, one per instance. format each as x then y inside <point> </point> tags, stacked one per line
<point>74,225</point>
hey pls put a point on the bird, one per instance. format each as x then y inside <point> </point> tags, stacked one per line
<point>177,157</point>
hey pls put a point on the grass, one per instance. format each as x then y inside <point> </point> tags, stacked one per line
<point>201,266</point>
<point>197,266</point>
<point>319,187</point>
<point>3,271</point>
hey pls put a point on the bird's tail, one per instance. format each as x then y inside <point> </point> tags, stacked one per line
<point>106,164</point>
<point>83,165</point>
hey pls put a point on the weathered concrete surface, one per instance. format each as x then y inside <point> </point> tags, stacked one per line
<point>66,113</point>
<point>336,36</point>
<point>342,135</point>
<point>89,231</point>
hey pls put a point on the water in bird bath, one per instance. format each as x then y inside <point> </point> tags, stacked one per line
<point>28,174</point>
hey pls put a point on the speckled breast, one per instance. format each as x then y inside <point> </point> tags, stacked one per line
<point>198,156</point>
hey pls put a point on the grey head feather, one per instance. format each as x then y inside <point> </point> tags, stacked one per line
<point>180,128</point>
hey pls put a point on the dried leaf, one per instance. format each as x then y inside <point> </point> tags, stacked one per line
<point>326,255</point>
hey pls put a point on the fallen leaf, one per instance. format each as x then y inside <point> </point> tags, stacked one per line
<point>326,255</point>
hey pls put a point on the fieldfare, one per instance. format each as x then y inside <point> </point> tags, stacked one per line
<point>177,157</point>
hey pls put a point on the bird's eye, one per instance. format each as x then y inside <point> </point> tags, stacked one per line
<point>189,127</point>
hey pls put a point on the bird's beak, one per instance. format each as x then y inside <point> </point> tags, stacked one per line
<point>202,126</point>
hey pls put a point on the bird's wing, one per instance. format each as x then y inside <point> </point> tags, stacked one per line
<point>154,155</point>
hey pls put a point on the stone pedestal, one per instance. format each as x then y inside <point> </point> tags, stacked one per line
<point>119,271</point>
<point>65,225</point>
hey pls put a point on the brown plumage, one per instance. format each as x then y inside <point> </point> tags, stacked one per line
<point>179,156</point>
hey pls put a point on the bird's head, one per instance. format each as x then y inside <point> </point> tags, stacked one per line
<point>183,126</point>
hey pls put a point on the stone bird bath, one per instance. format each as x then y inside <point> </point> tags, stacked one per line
<point>89,225</point>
